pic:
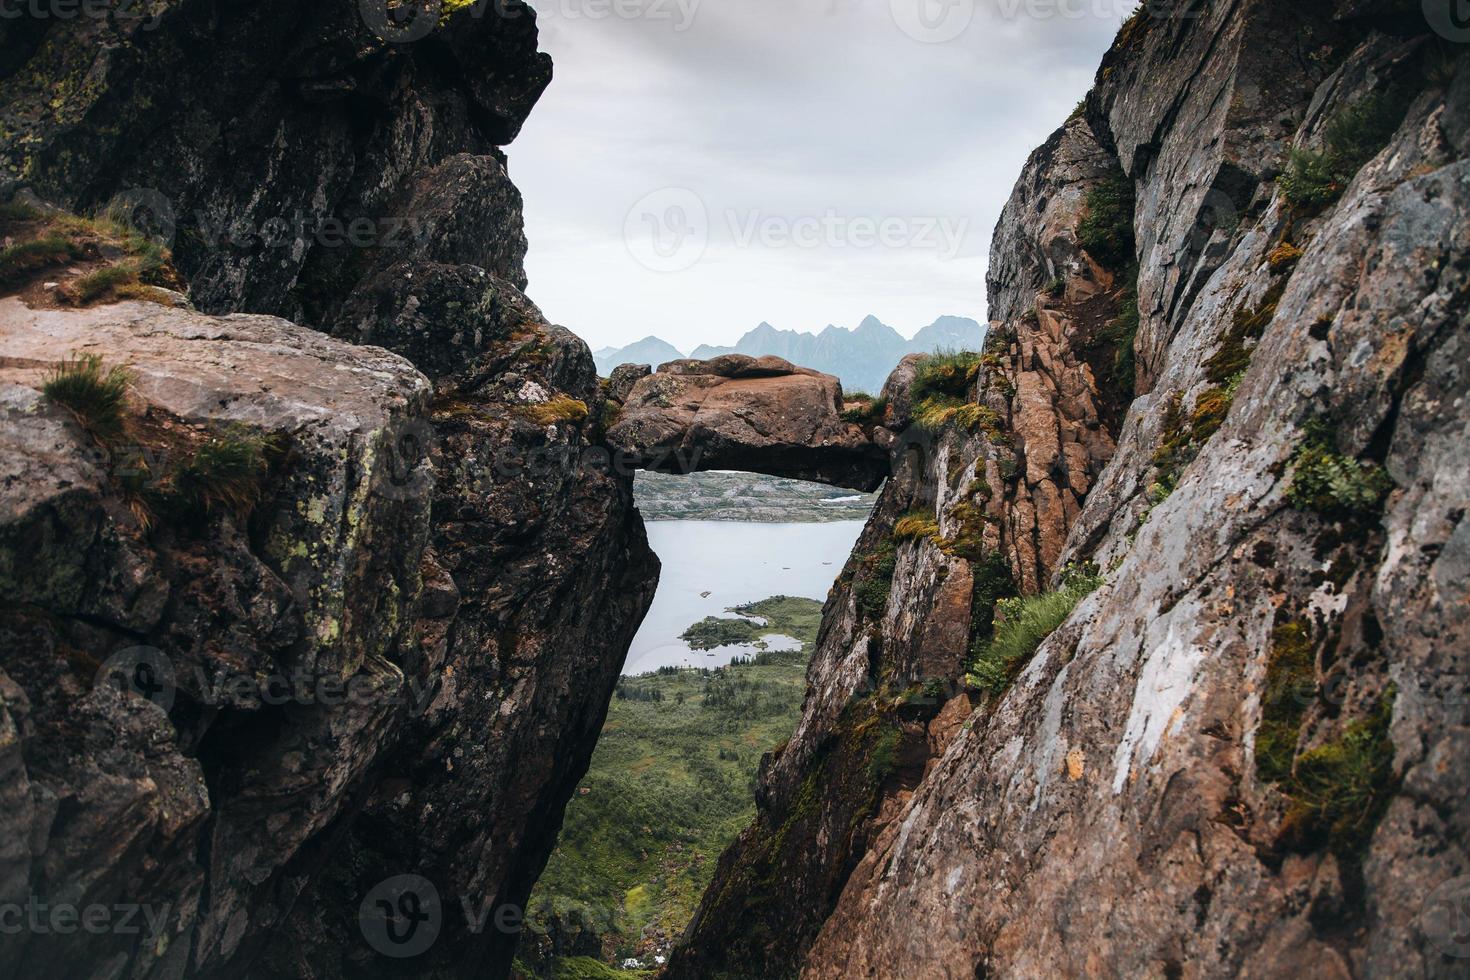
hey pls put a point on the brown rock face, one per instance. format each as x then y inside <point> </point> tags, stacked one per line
<point>1244,753</point>
<point>734,412</point>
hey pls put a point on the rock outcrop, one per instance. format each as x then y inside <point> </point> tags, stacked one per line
<point>1243,752</point>
<point>762,415</point>
<point>437,530</point>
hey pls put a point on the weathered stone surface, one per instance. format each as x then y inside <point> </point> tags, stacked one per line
<point>1111,813</point>
<point>196,814</point>
<point>736,412</point>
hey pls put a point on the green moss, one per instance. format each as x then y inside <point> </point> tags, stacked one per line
<point>1290,687</point>
<point>1025,622</point>
<point>992,582</point>
<point>560,408</point>
<point>874,580</point>
<point>1106,232</point>
<point>587,968</point>
<point>1333,485</point>
<point>95,395</point>
<point>1237,343</point>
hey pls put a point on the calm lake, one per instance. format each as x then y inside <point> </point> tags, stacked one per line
<point>734,563</point>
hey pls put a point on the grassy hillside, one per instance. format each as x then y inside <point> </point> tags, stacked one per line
<point>671,784</point>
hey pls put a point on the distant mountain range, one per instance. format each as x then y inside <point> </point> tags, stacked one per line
<point>862,358</point>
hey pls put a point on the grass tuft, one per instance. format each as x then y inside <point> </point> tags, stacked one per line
<point>915,526</point>
<point>226,473</point>
<point>27,257</point>
<point>1024,623</point>
<point>96,395</point>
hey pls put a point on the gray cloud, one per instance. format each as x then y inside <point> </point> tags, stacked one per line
<point>812,122</point>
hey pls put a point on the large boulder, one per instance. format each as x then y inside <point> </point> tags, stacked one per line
<point>736,412</point>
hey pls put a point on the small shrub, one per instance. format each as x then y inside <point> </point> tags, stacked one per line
<point>1055,287</point>
<point>1333,485</point>
<point>1121,332</point>
<point>96,396</point>
<point>1025,623</point>
<point>1313,180</point>
<point>914,526</point>
<point>561,408</point>
<point>875,580</point>
<point>1106,232</point>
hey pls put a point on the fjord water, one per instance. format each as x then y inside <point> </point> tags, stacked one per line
<point>735,563</point>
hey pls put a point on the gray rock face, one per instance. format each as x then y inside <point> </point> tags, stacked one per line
<point>1158,791</point>
<point>453,545</point>
<point>734,412</point>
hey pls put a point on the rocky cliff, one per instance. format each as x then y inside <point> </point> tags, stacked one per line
<point>306,643</point>
<point>1150,661</point>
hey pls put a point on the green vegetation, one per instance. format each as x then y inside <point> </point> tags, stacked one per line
<point>586,968</point>
<point>58,239</point>
<point>915,526</point>
<point>1106,231</point>
<point>941,391</point>
<point>670,786</point>
<point>1055,286</point>
<point>23,258</point>
<point>225,473</point>
<point>1314,179</point>
<point>1340,790</point>
<point>95,395</point>
<point>560,408</point>
<point>1238,342</point>
<point>1290,686</point>
<point>873,582</point>
<point>1024,623</point>
<point>1330,484</point>
<point>867,410</point>
<point>1120,333</point>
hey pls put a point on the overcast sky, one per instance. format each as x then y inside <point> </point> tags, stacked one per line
<point>698,166</point>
